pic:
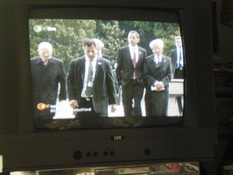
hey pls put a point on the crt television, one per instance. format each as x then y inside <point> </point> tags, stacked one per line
<point>29,144</point>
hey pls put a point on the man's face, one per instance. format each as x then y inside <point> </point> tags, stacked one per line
<point>156,49</point>
<point>45,53</point>
<point>90,51</point>
<point>178,42</point>
<point>133,39</point>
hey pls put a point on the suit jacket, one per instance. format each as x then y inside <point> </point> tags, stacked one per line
<point>46,80</point>
<point>177,73</point>
<point>157,71</point>
<point>174,59</point>
<point>125,68</point>
<point>103,84</point>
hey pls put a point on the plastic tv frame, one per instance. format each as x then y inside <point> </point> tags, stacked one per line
<point>25,148</point>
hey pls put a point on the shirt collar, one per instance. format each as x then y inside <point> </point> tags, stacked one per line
<point>87,59</point>
<point>45,62</point>
<point>157,58</point>
<point>133,47</point>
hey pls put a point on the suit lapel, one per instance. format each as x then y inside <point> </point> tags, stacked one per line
<point>163,61</point>
<point>97,67</point>
<point>140,56</point>
<point>158,64</point>
<point>129,57</point>
<point>83,68</point>
<point>152,64</point>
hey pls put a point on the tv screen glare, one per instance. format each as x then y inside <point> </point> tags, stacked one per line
<point>66,37</point>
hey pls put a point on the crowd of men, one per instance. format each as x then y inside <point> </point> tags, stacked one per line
<point>91,85</point>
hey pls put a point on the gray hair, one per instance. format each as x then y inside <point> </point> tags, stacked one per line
<point>46,45</point>
<point>158,42</point>
<point>99,43</point>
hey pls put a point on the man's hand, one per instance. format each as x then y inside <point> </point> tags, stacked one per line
<point>113,108</point>
<point>160,86</point>
<point>73,103</point>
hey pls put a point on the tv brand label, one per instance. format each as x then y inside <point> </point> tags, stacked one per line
<point>117,137</point>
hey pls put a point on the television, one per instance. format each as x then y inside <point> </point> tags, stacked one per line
<point>67,141</point>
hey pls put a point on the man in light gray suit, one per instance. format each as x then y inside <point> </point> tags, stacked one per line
<point>90,83</point>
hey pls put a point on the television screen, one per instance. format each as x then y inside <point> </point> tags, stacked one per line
<point>117,99</point>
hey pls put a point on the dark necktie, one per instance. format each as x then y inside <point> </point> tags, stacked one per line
<point>134,63</point>
<point>180,60</point>
<point>89,86</point>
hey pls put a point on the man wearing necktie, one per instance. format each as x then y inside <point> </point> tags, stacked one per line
<point>130,61</point>
<point>90,83</point>
<point>157,71</point>
<point>178,67</point>
<point>177,59</point>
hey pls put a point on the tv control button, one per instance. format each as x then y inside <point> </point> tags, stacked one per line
<point>78,155</point>
<point>105,153</point>
<point>95,154</point>
<point>88,154</point>
<point>112,153</point>
<point>147,151</point>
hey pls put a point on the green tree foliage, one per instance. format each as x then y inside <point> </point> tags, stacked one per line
<point>150,31</point>
<point>67,36</point>
<point>111,35</point>
<point>167,32</point>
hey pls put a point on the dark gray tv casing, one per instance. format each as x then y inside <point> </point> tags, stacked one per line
<point>24,148</point>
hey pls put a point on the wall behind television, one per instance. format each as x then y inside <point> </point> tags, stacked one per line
<point>225,36</point>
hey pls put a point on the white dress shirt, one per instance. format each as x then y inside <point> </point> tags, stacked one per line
<point>87,63</point>
<point>179,60</point>
<point>157,58</point>
<point>133,50</point>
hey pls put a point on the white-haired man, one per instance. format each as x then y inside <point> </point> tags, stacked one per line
<point>157,71</point>
<point>99,47</point>
<point>48,80</point>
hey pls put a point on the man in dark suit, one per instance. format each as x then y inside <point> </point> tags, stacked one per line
<point>157,74</point>
<point>178,67</point>
<point>48,81</point>
<point>90,83</point>
<point>129,74</point>
<point>177,59</point>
